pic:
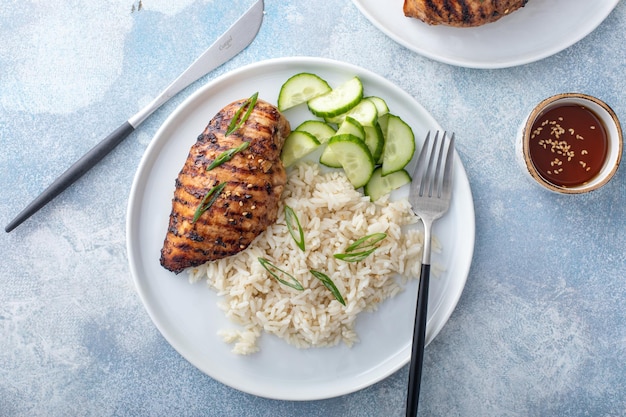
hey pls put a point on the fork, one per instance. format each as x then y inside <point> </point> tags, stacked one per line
<point>429,195</point>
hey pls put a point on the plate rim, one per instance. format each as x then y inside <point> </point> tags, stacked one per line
<point>149,157</point>
<point>482,64</point>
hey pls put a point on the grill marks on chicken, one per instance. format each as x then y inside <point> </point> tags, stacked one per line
<point>248,203</point>
<point>460,13</point>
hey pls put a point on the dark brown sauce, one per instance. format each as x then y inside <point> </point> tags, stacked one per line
<point>568,145</point>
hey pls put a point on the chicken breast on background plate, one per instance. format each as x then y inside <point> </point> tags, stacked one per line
<point>252,179</point>
<point>460,13</point>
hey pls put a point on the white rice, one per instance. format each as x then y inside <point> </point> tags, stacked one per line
<point>333,215</point>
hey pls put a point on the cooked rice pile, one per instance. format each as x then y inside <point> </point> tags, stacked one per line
<point>333,215</point>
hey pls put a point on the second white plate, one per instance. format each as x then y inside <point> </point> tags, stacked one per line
<point>536,31</point>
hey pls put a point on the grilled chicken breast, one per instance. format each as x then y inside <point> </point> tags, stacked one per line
<point>460,13</point>
<point>253,180</point>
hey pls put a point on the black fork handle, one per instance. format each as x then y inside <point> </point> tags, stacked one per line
<point>419,340</point>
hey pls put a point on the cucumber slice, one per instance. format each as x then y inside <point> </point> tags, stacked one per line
<point>349,127</point>
<point>365,112</point>
<point>356,160</point>
<point>399,145</point>
<point>322,131</point>
<point>382,122</point>
<point>297,145</point>
<point>381,105</point>
<point>379,186</point>
<point>374,140</point>
<point>336,120</point>
<point>329,159</point>
<point>339,100</point>
<point>353,127</point>
<point>301,88</point>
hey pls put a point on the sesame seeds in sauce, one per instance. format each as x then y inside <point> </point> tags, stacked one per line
<point>568,145</point>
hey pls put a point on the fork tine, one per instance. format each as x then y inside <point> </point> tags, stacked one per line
<point>438,178</point>
<point>420,167</point>
<point>446,190</point>
<point>428,182</point>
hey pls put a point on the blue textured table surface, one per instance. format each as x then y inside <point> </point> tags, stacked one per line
<point>539,329</point>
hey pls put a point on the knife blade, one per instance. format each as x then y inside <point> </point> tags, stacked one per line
<point>236,38</point>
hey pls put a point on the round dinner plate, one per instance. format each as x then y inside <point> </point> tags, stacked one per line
<point>187,314</point>
<point>536,31</point>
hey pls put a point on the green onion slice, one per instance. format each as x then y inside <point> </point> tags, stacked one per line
<point>227,155</point>
<point>354,256</point>
<point>236,123</point>
<point>361,248</point>
<point>295,229</point>
<point>276,272</point>
<point>328,283</point>
<point>208,201</point>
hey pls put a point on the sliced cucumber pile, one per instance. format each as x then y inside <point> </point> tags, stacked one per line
<point>358,133</point>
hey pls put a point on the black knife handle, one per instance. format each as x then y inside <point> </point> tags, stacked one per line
<point>73,173</point>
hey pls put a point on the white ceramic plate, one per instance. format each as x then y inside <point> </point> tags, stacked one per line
<point>187,315</point>
<point>538,30</point>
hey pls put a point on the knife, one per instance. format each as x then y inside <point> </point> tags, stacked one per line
<point>233,41</point>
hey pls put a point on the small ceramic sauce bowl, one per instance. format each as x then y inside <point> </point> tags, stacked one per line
<point>570,143</point>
